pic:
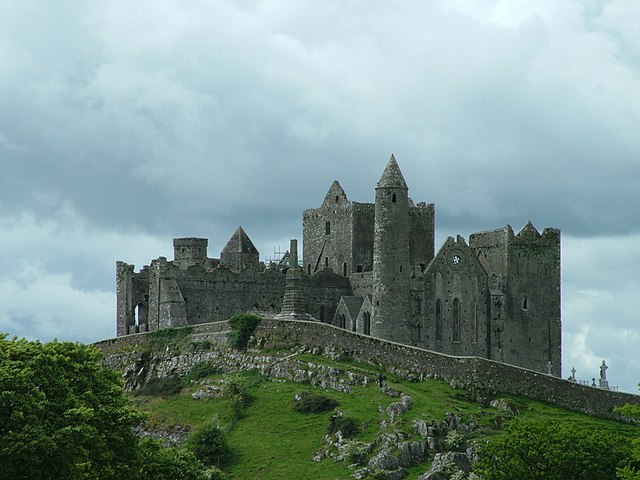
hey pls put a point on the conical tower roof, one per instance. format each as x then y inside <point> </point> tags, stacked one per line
<point>239,243</point>
<point>392,176</point>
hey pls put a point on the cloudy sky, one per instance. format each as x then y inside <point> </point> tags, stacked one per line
<point>126,124</point>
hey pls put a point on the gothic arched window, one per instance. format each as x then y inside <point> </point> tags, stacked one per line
<point>456,320</point>
<point>438,319</point>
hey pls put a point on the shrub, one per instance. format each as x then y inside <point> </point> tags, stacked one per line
<point>159,463</point>
<point>356,452</point>
<point>309,402</point>
<point>161,386</point>
<point>208,443</point>
<point>242,327</point>
<point>201,370</point>
<point>343,424</point>
<point>455,441</point>
<point>235,392</point>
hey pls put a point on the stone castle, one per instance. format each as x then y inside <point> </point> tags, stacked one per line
<point>371,268</point>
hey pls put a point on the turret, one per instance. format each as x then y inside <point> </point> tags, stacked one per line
<point>189,251</point>
<point>391,262</point>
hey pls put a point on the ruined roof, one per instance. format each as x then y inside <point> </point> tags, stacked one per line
<point>392,176</point>
<point>240,243</point>
<point>528,231</point>
<point>335,194</point>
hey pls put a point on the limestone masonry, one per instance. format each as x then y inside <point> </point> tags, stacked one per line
<point>371,268</point>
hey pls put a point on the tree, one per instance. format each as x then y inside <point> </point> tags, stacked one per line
<point>62,414</point>
<point>631,471</point>
<point>559,451</point>
<point>208,442</point>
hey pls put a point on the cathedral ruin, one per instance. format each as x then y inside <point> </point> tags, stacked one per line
<point>370,268</point>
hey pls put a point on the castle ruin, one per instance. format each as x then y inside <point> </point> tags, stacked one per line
<point>371,268</point>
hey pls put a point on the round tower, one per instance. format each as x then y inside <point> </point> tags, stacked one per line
<point>391,268</point>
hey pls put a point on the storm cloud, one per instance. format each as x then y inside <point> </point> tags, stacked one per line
<point>123,125</point>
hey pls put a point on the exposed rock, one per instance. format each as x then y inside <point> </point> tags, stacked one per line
<point>421,427</point>
<point>502,404</point>
<point>397,474</point>
<point>412,453</point>
<point>390,391</point>
<point>445,465</point>
<point>383,460</point>
<point>210,391</point>
<point>170,437</point>
<point>400,407</point>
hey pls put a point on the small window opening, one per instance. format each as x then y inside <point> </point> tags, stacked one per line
<point>327,228</point>
<point>400,268</point>
<point>337,199</point>
<point>525,302</point>
<point>359,268</point>
<point>344,269</point>
<point>326,262</point>
<point>309,269</point>
<point>367,323</point>
<point>393,198</point>
<point>423,267</point>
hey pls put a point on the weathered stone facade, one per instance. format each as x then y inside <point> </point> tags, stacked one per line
<point>370,268</point>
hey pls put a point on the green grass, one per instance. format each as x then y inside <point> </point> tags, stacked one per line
<point>271,440</point>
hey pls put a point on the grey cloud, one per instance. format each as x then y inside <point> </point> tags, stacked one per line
<point>155,120</point>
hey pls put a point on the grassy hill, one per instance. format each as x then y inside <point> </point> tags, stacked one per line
<point>269,439</point>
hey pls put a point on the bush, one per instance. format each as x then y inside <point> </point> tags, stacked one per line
<point>161,386</point>
<point>343,424</point>
<point>553,451</point>
<point>309,402</point>
<point>455,441</point>
<point>208,443</point>
<point>201,370</point>
<point>242,327</point>
<point>235,392</point>
<point>159,463</point>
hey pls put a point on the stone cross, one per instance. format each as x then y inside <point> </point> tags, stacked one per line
<point>573,374</point>
<point>604,383</point>
<point>603,371</point>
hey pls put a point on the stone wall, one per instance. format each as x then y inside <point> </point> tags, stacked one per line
<point>485,377</point>
<point>478,374</point>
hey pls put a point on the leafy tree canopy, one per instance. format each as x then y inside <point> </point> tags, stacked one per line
<point>553,451</point>
<point>65,416</point>
<point>62,414</point>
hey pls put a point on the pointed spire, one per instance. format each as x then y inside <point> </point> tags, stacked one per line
<point>392,176</point>
<point>240,243</point>
<point>336,194</point>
